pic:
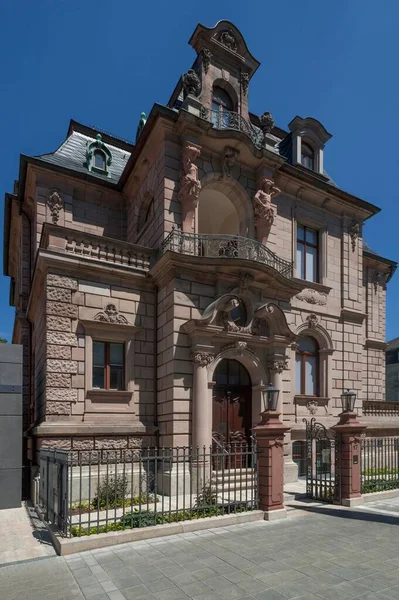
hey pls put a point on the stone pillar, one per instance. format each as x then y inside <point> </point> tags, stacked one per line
<point>277,367</point>
<point>201,414</point>
<point>349,429</point>
<point>270,438</point>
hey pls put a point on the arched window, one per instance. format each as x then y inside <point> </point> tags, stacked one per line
<point>307,367</point>
<point>222,105</point>
<point>307,156</point>
<point>99,160</point>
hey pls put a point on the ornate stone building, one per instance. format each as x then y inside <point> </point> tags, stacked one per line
<point>159,287</point>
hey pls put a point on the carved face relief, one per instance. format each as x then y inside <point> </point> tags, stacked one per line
<point>229,159</point>
<point>312,321</point>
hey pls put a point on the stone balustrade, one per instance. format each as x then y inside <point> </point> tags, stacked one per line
<point>96,248</point>
<point>376,408</point>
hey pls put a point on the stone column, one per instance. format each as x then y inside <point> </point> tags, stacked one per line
<point>201,414</point>
<point>349,429</point>
<point>270,438</point>
<point>277,367</point>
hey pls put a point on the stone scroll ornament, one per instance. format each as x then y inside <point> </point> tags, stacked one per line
<point>110,315</point>
<point>354,232</point>
<point>264,212</point>
<point>190,185</point>
<point>55,204</point>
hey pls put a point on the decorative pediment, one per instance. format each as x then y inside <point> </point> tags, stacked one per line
<point>276,320</point>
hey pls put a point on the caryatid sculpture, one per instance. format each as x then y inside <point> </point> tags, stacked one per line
<point>190,185</point>
<point>264,212</point>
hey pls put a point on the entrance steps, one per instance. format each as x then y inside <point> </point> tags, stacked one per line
<point>235,484</point>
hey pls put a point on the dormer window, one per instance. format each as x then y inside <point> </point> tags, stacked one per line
<point>99,160</point>
<point>307,156</point>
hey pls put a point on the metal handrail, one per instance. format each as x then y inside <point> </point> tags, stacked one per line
<point>228,119</point>
<point>219,445</point>
<point>225,246</point>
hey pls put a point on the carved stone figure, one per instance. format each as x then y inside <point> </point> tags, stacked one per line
<point>202,358</point>
<point>312,321</point>
<point>263,210</point>
<point>190,185</point>
<point>244,82</point>
<point>266,122</point>
<point>278,366</point>
<point>110,315</point>
<point>55,204</point>
<point>227,39</point>
<point>191,83</point>
<point>229,160</point>
<point>378,280</point>
<point>354,232</point>
<point>140,126</point>
<point>312,297</point>
<point>206,56</point>
<point>312,407</point>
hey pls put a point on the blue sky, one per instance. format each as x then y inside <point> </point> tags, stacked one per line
<point>102,63</point>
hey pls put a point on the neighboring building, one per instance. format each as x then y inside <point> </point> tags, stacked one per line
<point>392,371</point>
<point>159,287</point>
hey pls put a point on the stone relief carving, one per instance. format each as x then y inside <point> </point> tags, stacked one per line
<point>191,83</point>
<point>312,407</point>
<point>378,280</point>
<point>354,232</point>
<point>257,326</point>
<point>312,297</point>
<point>244,282</point>
<point>110,315</point>
<point>190,185</point>
<point>266,122</point>
<point>244,82</point>
<point>228,39</point>
<point>263,209</point>
<point>278,366</point>
<point>312,321</point>
<point>206,56</point>
<point>229,159</point>
<point>55,204</point>
<point>201,358</point>
<point>238,345</point>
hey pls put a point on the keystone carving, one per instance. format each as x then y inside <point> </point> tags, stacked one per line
<point>191,83</point>
<point>312,297</point>
<point>227,39</point>
<point>263,209</point>
<point>312,321</point>
<point>202,358</point>
<point>110,315</point>
<point>206,56</point>
<point>312,407</point>
<point>55,204</point>
<point>229,159</point>
<point>354,232</point>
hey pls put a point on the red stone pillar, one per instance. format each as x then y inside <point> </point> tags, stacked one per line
<point>270,438</point>
<point>349,429</point>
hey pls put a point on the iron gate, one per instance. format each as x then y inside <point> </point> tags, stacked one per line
<point>322,462</point>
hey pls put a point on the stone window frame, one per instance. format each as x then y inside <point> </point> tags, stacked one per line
<point>109,401</point>
<point>299,218</point>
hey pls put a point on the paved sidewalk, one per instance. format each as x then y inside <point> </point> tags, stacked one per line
<point>22,536</point>
<point>318,552</point>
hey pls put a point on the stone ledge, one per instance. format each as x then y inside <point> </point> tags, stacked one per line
<point>70,430</point>
<point>64,546</point>
<point>375,496</point>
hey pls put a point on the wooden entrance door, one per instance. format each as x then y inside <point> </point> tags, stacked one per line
<point>232,403</point>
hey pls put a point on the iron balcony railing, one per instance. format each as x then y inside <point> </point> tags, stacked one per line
<point>227,119</point>
<point>225,246</point>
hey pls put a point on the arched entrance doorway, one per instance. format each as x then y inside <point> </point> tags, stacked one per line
<point>232,403</point>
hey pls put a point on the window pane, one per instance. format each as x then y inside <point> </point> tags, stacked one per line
<point>116,354</point>
<point>307,344</point>
<point>99,160</point>
<point>311,264</point>
<point>98,354</point>
<point>298,374</point>
<point>310,375</point>
<point>300,233</point>
<point>116,378</point>
<point>311,236</point>
<point>299,261</point>
<point>98,377</point>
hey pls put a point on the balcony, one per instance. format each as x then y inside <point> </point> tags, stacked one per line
<point>227,119</point>
<point>380,408</point>
<point>225,246</point>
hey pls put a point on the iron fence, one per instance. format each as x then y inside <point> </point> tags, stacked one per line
<point>379,464</point>
<point>225,246</point>
<point>227,119</point>
<point>87,492</point>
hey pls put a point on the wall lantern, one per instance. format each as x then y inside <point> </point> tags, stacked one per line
<point>270,397</point>
<point>348,399</point>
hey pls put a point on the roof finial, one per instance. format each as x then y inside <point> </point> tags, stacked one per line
<point>140,126</point>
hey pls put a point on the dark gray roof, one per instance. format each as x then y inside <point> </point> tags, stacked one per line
<point>72,155</point>
<point>393,344</point>
<point>285,149</point>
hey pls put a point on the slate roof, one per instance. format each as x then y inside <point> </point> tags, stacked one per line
<point>72,155</point>
<point>393,344</point>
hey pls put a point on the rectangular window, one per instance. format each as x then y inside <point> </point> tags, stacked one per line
<point>108,365</point>
<point>307,250</point>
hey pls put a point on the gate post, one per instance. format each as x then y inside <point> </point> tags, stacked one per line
<point>270,439</point>
<point>349,429</point>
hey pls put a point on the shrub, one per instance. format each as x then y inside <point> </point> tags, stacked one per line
<point>111,491</point>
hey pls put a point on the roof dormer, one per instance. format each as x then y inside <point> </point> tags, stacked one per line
<point>308,140</point>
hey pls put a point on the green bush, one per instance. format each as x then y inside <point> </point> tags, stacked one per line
<point>380,471</point>
<point>380,485</point>
<point>110,491</point>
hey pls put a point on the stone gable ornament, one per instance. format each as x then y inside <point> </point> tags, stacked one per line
<point>354,232</point>
<point>191,83</point>
<point>229,159</point>
<point>206,56</point>
<point>263,209</point>
<point>228,40</point>
<point>55,204</point>
<point>110,315</point>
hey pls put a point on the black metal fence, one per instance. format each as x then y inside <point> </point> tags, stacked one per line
<point>379,464</point>
<point>323,462</point>
<point>87,492</point>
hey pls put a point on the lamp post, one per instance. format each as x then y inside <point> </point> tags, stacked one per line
<point>270,398</point>
<point>348,399</point>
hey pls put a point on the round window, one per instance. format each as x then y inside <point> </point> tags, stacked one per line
<point>239,314</point>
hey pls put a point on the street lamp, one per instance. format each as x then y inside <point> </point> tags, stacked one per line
<point>348,399</point>
<point>270,397</point>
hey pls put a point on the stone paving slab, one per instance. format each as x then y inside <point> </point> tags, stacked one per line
<point>318,552</point>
